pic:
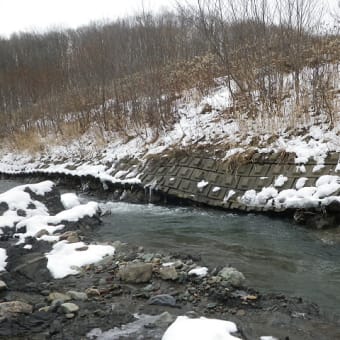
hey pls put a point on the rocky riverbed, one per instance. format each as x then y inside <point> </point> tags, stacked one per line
<point>133,294</point>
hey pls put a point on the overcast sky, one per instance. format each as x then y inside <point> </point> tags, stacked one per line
<point>28,15</point>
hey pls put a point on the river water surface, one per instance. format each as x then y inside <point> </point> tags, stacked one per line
<point>274,254</point>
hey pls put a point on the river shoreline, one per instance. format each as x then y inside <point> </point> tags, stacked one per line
<point>105,299</point>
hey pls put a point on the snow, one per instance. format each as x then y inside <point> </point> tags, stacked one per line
<point>64,259</point>
<point>300,183</point>
<point>69,200</point>
<point>202,184</point>
<point>28,246</point>
<point>230,194</point>
<point>3,258</point>
<point>216,189</point>
<point>268,338</point>
<point>280,181</point>
<point>199,271</point>
<point>202,328</point>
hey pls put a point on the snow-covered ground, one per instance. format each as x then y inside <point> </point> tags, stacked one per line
<point>308,134</point>
<point>22,212</point>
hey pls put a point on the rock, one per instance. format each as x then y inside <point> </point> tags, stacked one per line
<point>136,273</point>
<point>3,285</point>
<point>70,315</point>
<point>162,300</point>
<point>84,248</point>
<point>45,309</point>
<point>92,292</point>
<point>41,233</point>
<point>3,207</point>
<point>232,276</point>
<point>59,296</point>
<point>168,273</point>
<point>70,237</point>
<point>15,307</point>
<point>69,307</point>
<point>77,295</point>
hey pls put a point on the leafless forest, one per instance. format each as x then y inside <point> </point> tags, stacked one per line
<point>125,75</point>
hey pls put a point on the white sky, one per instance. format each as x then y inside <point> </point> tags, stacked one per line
<point>28,15</point>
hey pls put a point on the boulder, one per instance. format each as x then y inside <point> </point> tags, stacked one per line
<point>168,273</point>
<point>232,276</point>
<point>14,307</point>
<point>136,273</point>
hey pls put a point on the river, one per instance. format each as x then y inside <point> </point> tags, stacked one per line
<point>274,254</point>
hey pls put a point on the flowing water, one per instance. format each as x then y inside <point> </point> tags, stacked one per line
<point>274,254</point>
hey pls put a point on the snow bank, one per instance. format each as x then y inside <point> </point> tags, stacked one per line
<point>69,200</point>
<point>185,328</point>
<point>66,258</point>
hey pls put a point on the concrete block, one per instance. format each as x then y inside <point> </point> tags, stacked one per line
<point>174,192</point>
<point>171,161</point>
<point>246,183</point>
<point>217,194</point>
<point>281,169</point>
<point>259,170</point>
<point>198,175</point>
<point>185,172</point>
<point>230,181</point>
<point>195,162</point>
<point>209,164</point>
<point>263,182</point>
<point>184,161</point>
<point>146,178</point>
<point>313,172</point>
<point>244,169</point>
<point>173,170</point>
<point>187,186</point>
<point>213,177</point>
<point>161,171</point>
<point>172,182</point>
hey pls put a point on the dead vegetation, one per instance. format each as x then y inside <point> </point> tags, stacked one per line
<point>127,75</point>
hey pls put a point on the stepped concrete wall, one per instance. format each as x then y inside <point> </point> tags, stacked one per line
<point>179,176</point>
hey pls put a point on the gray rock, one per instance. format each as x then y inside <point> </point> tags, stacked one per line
<point>70,315</point>
<point>41,233</point>
<point>3,285</point>
<point>162,300</point>
<point>232,276</point>
<point>15,307</point>
<point>168,273</point>
<point>136,273</point>
<point>70,236</point>
<point>69,307</point>
<point>77,295</point>
<point>59,296</point>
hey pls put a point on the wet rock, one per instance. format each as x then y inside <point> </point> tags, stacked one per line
<point>232,276</point>
<point>59,297</point>
<point>3,285</point>
<point>168,273</point>
<point>77,295</point>
<point>162,300</point>
<point>14,307</point>
<point>136,273</point>
<point>92,292</point>
<point>21,213</point>
<point>69,307</point>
